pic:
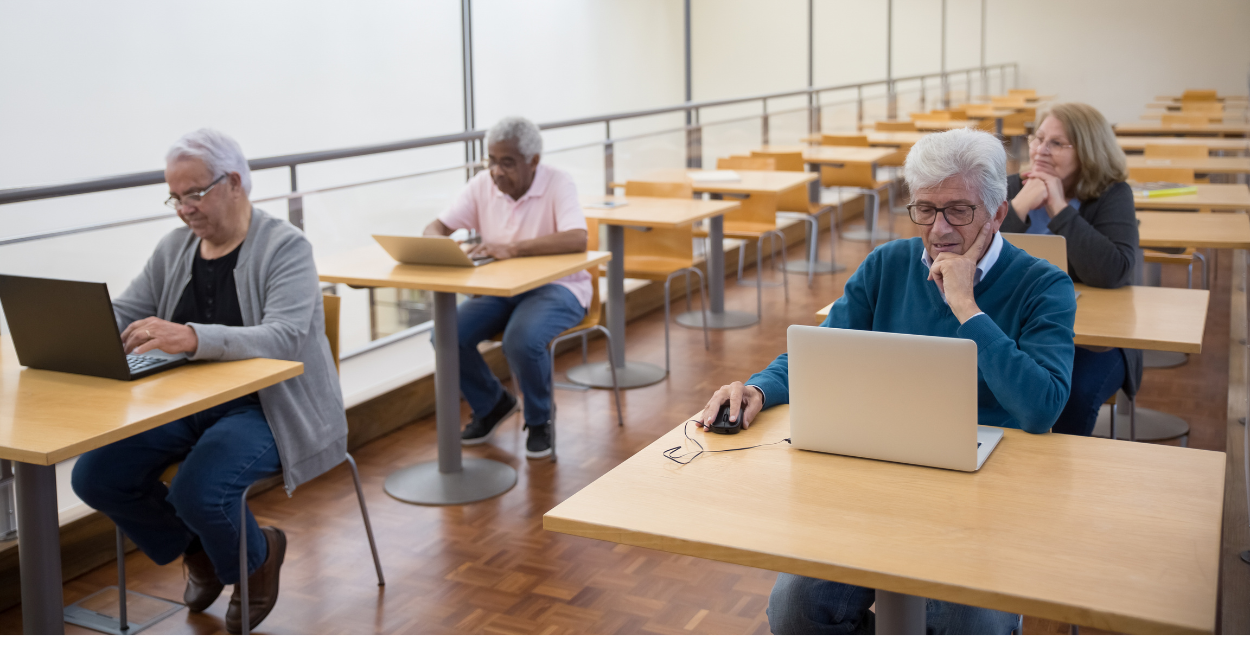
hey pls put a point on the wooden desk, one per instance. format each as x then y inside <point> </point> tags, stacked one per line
<point>1145,318</point>
<point>1157,128</point>
<point>749,183</point>
<point>641,212</point>
<point>1139,142</point>
<point>1227,99</point>
<point>945,125</point>
<point>1231,117</point>
<point>47,417</point>
<point>1224,196</point>
<point>1208,165</point>
<point>818,155</point>
<point>451,480</point>
<point>1113,535</point>
<point>1193,229</point>
<point>877,138</point>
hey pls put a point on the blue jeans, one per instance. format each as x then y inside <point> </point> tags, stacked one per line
<point>223,450</point>
<point>1096,376</point>
<point>528,322</point>
<point>800,605</point>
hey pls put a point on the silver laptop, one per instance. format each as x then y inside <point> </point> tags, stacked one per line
<point>436,251</point>
<point>896,397</point>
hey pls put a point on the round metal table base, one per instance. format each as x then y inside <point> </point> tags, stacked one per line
<point>1152,425</point>
<point>1159,359</point>
<point>821,268</point>
<point>635,374</point>
<point>422,484</point>
<point>726,320</point>
<point>1245,557</point>
<point>859,234</point>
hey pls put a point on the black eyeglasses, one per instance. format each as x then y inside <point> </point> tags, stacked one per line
<point>955,215</point>
<point>191,198</point>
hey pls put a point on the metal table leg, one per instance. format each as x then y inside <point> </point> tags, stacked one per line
<point>449,480</point>
<point>39,538</point>
<point>719,318</point>
<point>632,374</point>
<point>900,613</point>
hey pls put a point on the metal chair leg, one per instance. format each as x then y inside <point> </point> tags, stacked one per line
<point>785,279</point>
<point>122,623</point>
<point>364,514</point>
<point>707,340</point>
<point>1201,258</point>
<point>759,278</point>
<point>667,315</point>
<point>616,388</point>
<point>813,254</point>
<point>245,619</point>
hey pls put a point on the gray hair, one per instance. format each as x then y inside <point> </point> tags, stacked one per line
<point>974,156</point>
<point>519,130</point>
<point>218,151</point>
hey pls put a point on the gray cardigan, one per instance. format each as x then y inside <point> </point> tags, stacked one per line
<point>283,318</point>
<point>1102,247</point>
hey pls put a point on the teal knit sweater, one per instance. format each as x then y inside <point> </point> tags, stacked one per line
<point>1024,337</point>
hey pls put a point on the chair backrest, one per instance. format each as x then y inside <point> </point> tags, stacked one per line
<point>931,115</point>
<point>1201,107</point>
<point>850,174</point>
<point>1200,95</point>
<point>1022,92</point>
<point>746,162</point>
<point>1171,119</point>
<point>1160,175</point>
<point>783,161</point>
<point>958,113</point>
<point>332,304</point>
<point>887,125</point>
<point>665,189</point>
<point>1052,248</point>
<point>1008,101</point>
<point>1176,151</point>
<point>595,310</point>
<point>844,140</point>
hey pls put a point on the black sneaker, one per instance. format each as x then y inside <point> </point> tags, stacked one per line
<point>479,432</point>
<point>538,444</point>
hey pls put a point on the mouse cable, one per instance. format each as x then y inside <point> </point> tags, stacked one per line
<point>681,459</point>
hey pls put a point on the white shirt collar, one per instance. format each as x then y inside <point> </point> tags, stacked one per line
<point>983,266</point>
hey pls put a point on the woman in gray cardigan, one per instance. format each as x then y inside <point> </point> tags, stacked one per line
<point>1076,189</point>
<point>235,283</point>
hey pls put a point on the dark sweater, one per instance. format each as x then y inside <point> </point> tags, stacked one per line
<point>1024,336</point>
<point>1103,247</point>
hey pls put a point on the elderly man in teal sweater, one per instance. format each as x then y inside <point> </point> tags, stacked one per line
<point>959,279</point>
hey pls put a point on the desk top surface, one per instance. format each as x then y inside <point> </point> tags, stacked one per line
<point>1139,142</point>
<point>1213,196</point>
<point>1196,229</point>
<point>945,125</point>
<point>877,138</point>
<point>1148,128</point>
<point>47,417</point>
<point>832,154</point>
<point>370,266</point>
<point>1110,534</point>
<point>655,212</point>
<point>750,181</point>
<point>1235,99</point>
<point>1146,318</point>
<point>1206,165</point>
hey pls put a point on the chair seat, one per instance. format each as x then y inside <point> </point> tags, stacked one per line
<point>1159,257</point>
<point>656,269</point>
<point>741,229</point>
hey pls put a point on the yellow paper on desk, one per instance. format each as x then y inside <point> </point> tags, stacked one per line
<point>1158,188</point>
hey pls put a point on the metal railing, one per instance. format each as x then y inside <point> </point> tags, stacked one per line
<point>887,89</point>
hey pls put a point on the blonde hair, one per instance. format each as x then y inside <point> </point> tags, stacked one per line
<point>1099,158</point>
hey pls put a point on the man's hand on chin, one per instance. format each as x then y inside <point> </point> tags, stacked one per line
<point>954,274</point>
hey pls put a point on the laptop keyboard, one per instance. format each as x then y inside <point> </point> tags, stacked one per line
<point>140,362</point>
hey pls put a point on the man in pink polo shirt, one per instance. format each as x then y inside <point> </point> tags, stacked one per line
<point>520,208</point>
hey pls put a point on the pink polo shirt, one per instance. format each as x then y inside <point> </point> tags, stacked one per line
<point>550,206</point>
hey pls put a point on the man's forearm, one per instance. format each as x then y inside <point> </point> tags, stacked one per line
<point>568,241</point>
<point>437,229</point>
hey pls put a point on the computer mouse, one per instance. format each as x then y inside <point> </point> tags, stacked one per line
<point>722,424</point>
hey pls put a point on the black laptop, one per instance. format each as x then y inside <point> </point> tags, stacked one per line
<point>69,326</point>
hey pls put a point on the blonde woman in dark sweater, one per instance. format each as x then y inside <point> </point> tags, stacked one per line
<point>1076,188</point>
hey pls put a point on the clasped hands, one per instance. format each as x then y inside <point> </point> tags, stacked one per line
<point>1040,188</point>
<point>153,333</point>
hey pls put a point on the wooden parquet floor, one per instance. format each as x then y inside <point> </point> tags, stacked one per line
<point>490,568</point>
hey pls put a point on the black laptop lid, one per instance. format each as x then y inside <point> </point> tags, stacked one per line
<point>64,326</point>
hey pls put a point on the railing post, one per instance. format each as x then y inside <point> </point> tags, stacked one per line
<point>814,100</point>
<point>295,205</point>
<point>694,142</point>
<point>8,505</point>
<point>1002,79</point>
<point>891,101</point>
<point>1015,75</point>
<point>968,86</point>
<point>859,107</point>
<point>923,108</point>
<point>946,91</point>
<point>609,162</point>
<point>764,124</point>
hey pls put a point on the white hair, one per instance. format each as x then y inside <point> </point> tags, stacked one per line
<point>976,157</point>
<point>529,141</point>
<point>218,151</point>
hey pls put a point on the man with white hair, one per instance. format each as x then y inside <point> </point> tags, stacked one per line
<point>959,279</point>
<point>234,283</point>
<point>520,208</point>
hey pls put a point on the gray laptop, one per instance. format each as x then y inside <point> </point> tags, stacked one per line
<point>896,397</point>
<point>437,251</point>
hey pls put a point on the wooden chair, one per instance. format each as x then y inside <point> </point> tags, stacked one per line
<point>1027,93</point>
<point>844,140</point>
<point>1186,256</point>
<point>661,254</point>
<point>746,162</point>
<point>1176,151</point>
<point>332,307</point>
<point>756,218</point>
<point>858,178</point>
<point>1200,96</point>
<point>1202,107</point>
<point>887,125</point>
<point>1174,119</point>
<point>797,204</point>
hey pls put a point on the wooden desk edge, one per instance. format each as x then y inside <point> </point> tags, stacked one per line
<point>594,258</point>
<point>139,426</point>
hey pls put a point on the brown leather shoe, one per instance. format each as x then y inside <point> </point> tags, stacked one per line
<point>262,586</point>
<point>203,587</point>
